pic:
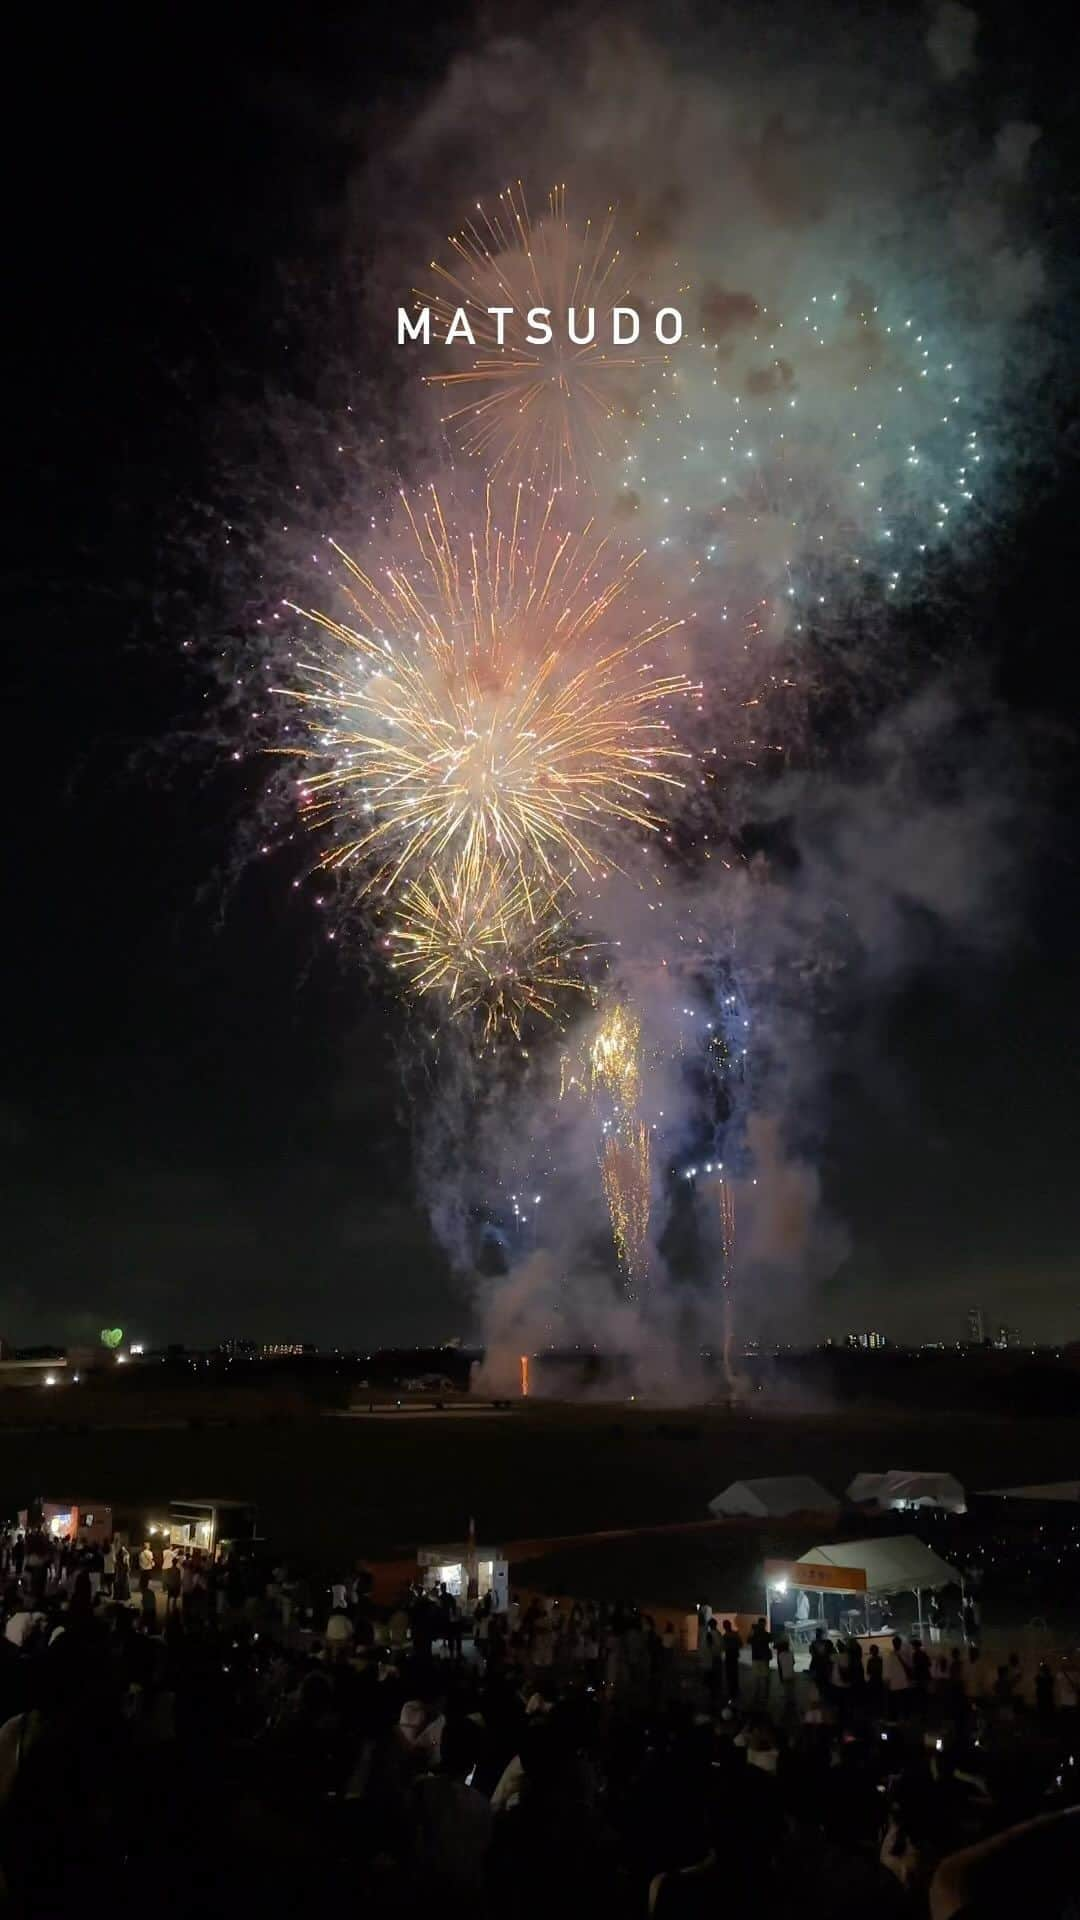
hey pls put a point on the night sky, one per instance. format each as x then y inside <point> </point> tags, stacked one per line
<point>200,1103</point>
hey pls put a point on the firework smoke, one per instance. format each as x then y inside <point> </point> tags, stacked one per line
<point>837,431</point>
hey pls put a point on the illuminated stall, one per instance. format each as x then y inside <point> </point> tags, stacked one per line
<point>468,1572</point>
<point>203,1526</point>
<point>88,1520</point>
<point>808,1593</point>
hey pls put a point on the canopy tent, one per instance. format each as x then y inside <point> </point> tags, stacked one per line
<point>902,1564</point>
<point>774,1499</point>
<point>1051,1490</point>
<point>898,1489</point>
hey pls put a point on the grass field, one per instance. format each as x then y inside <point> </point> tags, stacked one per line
<point>328,1486</point>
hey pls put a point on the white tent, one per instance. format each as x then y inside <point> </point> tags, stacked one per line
<point>774,1499</point>
<point>1051,1490</point>
<point>897,1490</point>
<point>902,1564</point>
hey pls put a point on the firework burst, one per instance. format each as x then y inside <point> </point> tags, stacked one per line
<point>804,456</point>
<point>490,705</point>
<point>502,951</point>
<point>614,1056</point>
<point>551,413</point>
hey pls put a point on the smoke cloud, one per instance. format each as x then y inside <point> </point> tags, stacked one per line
<point>854,253</point>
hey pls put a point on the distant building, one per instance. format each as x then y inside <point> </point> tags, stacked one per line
<point>1007,1337</point>
<point>35,1367</point>
<point>283,1349</point>
<point>867,1342</point>
<point>976,1326</point>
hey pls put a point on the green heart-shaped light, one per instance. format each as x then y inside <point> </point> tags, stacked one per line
<point>111,1336</point>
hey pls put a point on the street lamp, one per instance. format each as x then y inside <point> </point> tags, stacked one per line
<point>776,1586</point>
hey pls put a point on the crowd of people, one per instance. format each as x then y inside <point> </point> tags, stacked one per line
<point>242,1741</point>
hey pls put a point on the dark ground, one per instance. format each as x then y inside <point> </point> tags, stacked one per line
<point>374,1488</point>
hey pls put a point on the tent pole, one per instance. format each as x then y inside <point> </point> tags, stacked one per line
<point>918,1608</point>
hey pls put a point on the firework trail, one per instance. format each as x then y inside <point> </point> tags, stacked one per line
<point>608,1072</point>
<point>553,413</point>
<point>726,1204</point>
<point>624,1165</point>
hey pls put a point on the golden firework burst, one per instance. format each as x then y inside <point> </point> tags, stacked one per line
<point>491,700</point>
<point>548,411</point>
<point>503,950</point>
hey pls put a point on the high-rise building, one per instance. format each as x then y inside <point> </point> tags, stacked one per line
<point>1007,1337</point>
<point>976,1326</point>
<point>867,1342</point>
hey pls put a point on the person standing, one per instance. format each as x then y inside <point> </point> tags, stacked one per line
<point>971,1622</point>
<point>453,1822</point>
<point>785,1667</point>
<point>710,1661</point>
<point>875,1681</point>
<point>760,1659</point>
<point>898,1677</point>
<point>541,1642</point>
<point>170,1580</point>
<point>147,1602</point>
<point>481,1623</point>
<point>822,1656</point>
<point>187,1586</point>
<point>732,1647</point>
<point>920,1677</point>
<point>453,1628</point>
<point>338,1634</point>
<point>957,1688</point>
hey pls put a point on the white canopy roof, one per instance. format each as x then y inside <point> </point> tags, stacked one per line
<point>912,1489</point>
<point>1052,1490</point>
<point>772,1499</point>
<point>896,1565</point>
